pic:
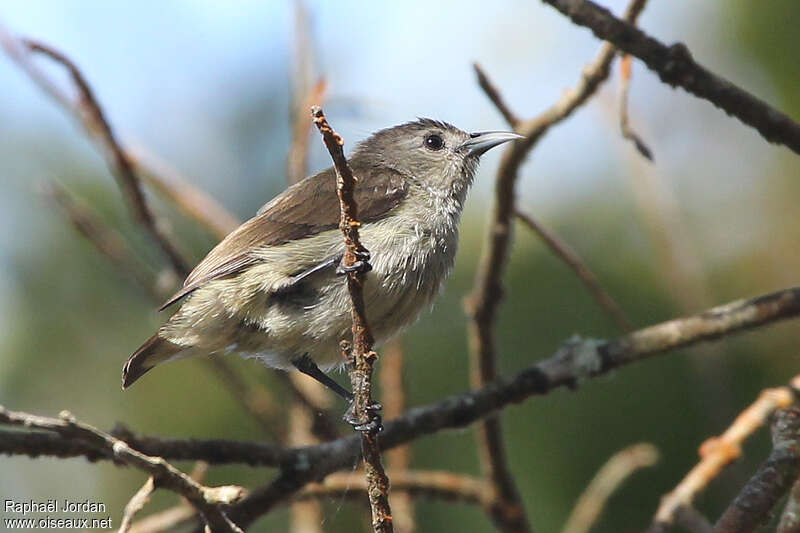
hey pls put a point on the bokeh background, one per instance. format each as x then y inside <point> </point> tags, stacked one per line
<point>206,85</point>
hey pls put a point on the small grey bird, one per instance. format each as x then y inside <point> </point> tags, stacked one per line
<point>270,289</point>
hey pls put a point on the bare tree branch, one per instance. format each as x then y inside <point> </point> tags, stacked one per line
<point>613,473</point>
<point>573,363</point>
<point>676,67</point>
<point>207,500</point>
<point>772,480</point>
<point>361,351</point>
<point>718,452</point>
<point>576,361</point>
<point>483,304</point>
<point>563,251</point>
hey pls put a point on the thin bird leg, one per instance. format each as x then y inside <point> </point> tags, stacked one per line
<point>308,367</point>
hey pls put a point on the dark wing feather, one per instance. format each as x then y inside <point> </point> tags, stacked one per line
<point>304,209</point>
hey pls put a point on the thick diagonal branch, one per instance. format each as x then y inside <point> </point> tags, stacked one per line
<point>676,67</point>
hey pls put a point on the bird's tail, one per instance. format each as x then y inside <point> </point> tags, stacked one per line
<point>154,351</point>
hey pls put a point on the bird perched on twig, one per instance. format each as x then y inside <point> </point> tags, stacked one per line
<point>272,290</point>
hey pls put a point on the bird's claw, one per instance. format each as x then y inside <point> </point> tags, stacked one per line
<point>372,423</point>
<point>360,265</point>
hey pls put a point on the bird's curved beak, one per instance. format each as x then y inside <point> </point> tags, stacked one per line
<point>481,141</point>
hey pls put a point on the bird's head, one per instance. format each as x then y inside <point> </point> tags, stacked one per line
<point>435,155</point>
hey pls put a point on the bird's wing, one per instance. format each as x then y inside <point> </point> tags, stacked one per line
<point>306,208</point>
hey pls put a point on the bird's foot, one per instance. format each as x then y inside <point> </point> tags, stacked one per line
<point>371,423</point>
<point>361,264</point>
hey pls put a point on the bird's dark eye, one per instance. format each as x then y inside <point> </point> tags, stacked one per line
<point>434,142</point>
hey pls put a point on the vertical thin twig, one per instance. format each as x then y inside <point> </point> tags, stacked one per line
<point>571,258</point>
<point>360,351</point>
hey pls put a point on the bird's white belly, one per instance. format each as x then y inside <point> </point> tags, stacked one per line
<point>408,268</point>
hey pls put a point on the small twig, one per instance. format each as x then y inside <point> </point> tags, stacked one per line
<point>493,94</point>
<point>136,504</point>
<point>207,500</point>
<point>675,66</point>
<point>718,452</point>
<point>563,251</point>
<point>770,483</point>
<point>613,473</point>
<point>89,113</point>
<point>361,351</point>
<point>624,120</point>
